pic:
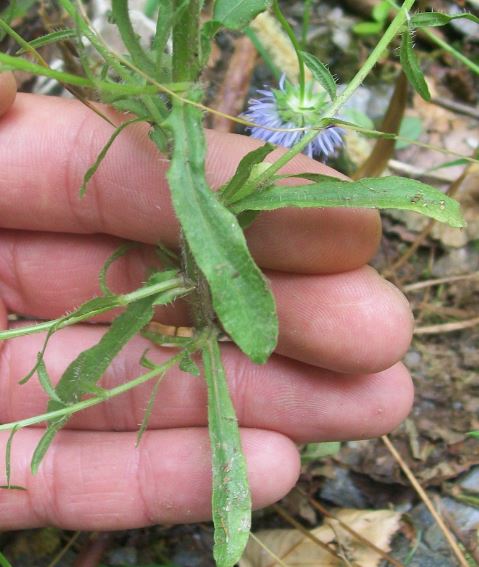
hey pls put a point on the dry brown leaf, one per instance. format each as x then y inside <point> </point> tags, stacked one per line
<point>377,526</point>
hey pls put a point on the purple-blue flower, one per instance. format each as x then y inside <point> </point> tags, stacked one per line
<point>283,108</point>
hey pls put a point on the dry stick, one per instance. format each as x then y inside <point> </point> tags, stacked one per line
<point>281,512</point>
<point>446,327</point>
<point>268,550</point>
<point>439,281</point>
<point>64,549</point>
<point>458,107</point>
<point>469,546</point>
<point>315,504</point>
<point>234,88</point>
<point>427,502</point>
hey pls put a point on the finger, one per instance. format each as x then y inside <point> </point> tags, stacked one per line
<point>43,167</point>
<point>100,481</point>
<point>295,399</point>
<point>349,322</point>
<point>8,91</point>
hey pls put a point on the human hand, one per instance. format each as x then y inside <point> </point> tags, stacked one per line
<point>334,375</point>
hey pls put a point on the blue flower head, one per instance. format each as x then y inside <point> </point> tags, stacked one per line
<point>283,108</point>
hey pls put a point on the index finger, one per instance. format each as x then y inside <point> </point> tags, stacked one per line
<point>47,144</point>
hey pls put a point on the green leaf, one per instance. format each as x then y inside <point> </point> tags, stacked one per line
<point>8,456</point>
<point>232,190</point>
<point>148,410</point>
<point>368,28</point>
<point>411,66</point>
<point>381,11</point>
<point>101,156</point>
<point>121,17</point>
<point>51,38</point>
<point>411,128</point>
<point>85,371</point>
<point>321,73</point>
<point>358,117</point>
<point>45,380</point>
<point>207,32</point>
<point>434,19</point>
<point>473,434</point>
<point>236,14</point>
<point>9,63</point>
<point>317,451</point>
<point>187,364</point>
<point>117,254</point>
<point>89,309</point>
<point>4,562</point>
<point>373,193</point>
<point>231,501</point>
<point>240,294</point>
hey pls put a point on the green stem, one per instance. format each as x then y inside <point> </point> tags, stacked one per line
<point>454,52</point>
<point>289,31</point>
<point>444,45</point>
<point>339,102</point>
<point>89,402</point>
<point>186,44</point>
<point>308,5</point>
<point>122,300</point>
<point>130,39</point>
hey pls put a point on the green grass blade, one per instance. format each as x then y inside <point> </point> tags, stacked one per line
<point>374,193</point>
<point>240,294</point>
<point>231,501</point>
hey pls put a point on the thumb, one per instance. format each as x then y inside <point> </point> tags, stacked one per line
<point>8,90</point>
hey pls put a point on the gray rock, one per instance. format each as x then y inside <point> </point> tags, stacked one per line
<point>342,491</point>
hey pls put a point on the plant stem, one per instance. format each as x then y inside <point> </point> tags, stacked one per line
<point>289,31</point>
<point>454,52</point>
<point>122,300</point>
<point>308,6</point>
<point>186,45</point>
<point>89,402</point>
<point>342,98</point>
<point>130,38</point>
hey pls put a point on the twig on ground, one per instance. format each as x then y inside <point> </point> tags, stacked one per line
<point>427,502</point>
<point>268,550</point>
<point>320,508</point>
<point>458,107</point>
<point>439,281</point>
<point>446,327</point>
<point>281,512</point>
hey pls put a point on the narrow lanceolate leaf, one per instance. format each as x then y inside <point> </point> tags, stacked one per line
<point>243,172</point>
<point>434,19</point>
<point>82,375</point>
<point>321,73</point>
<point>101,156</point>
<point>50,38</point>
<point>375,193</point>
<point>240,294</point>
<point>237,14</point>
<point>411,67</point>
<point>231,502</point>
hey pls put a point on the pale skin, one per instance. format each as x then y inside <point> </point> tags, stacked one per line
<point>335,375</point>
